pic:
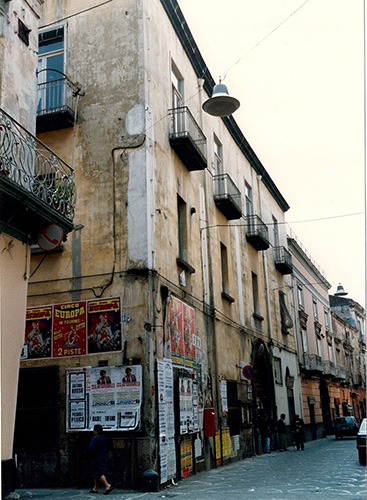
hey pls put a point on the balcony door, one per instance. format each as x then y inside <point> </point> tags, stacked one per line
<point>51,82</point>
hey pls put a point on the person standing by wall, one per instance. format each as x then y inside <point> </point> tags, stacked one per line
<point>282,433</point>
<point>98,451</point>
<point>298,428</point>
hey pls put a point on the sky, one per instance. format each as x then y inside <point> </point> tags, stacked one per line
<point>297,67</point>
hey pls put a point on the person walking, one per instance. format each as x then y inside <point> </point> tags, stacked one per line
<point>98,452</point>
<point>273,433</point>
<point>282,433</point>
<point>265,433</point>
<point>298,428</point>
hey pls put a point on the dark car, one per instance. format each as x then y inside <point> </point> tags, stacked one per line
<point>345,426</point>
<point>361,442</point>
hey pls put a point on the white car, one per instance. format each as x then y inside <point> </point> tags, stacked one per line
<point>361,442</point>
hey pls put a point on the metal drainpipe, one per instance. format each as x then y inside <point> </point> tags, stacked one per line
<point>211,302</point>
<point>266,278</point>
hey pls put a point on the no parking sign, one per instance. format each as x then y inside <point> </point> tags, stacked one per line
<point>246,371</point>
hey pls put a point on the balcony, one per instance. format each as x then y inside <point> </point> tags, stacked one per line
<point>257,232</point>
<point>37,187</point>
<point>340,373</point>
<point>313,363</point>
<point>55,105</point>
<point>227,197</point>
<point>187,139</point>
<point>329,369</point>
<point>283,260</point>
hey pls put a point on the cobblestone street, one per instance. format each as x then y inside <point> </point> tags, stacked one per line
<point>326,470</point>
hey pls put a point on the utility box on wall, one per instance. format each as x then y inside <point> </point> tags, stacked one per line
<point>209,422</point>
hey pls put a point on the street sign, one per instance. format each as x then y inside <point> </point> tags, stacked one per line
<point>247,371</point>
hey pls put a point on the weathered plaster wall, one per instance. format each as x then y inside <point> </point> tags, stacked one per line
<point>14,264</point>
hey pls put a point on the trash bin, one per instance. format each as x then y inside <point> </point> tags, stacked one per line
<point>150,480</point>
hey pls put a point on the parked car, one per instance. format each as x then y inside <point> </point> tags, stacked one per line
<point>345,426</point>
<point>361,442</point>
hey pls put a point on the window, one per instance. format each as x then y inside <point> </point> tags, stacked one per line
<point>304,340</point>
<point>218,156</point>
<point>51,66</point>
<point>275,232</point>
<point>301,300</point>
<point>327,320</point>
<point>315,310</point>
<point>255,295</point>
<point>278,371</point>
<point>248,197</point>
<point>330,349</point>
<point>318,341</point>
<point>182,229</point>
<point>177,87</point>
<point>224,267</point>
<point>23,32</point>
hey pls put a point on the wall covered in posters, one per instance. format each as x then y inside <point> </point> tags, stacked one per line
<point>73,329</point>
<point>182,333</point>
<point>110,396</point>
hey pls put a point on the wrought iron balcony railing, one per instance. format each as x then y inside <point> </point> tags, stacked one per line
<point>227,196</point>
<point>187,139</point>
<point>56,104</point>
<point>283,260</point>
<point>54,96</point>
<point>257,232</point>
<point>313,362</point>
<point>33,167</point>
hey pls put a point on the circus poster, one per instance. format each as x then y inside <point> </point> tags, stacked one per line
<point>182,330</point>
<point>104,325</point>
<point>69,329</point>
<point>37,342</point>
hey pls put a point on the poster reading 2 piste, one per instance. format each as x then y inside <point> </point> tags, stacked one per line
<point>70,329</point>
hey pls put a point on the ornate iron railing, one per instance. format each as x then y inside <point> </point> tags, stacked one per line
<point>184,124</point>
<point>34,167</point>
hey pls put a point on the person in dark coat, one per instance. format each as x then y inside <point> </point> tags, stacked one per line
<point>98,452</point>
<point>298,428</point>
<point>282,433</point>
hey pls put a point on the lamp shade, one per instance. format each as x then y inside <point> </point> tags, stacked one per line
<point>221,103</point>
<point>340,292</point>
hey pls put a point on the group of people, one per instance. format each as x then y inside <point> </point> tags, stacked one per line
<point>274,434</point>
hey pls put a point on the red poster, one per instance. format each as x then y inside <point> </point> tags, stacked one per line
<point>70,329</point>
<point>104,325</point>
<point>38,332</point>
<point>176,325</point>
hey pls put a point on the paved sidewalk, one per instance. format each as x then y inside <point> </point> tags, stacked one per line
<point>326,470</point>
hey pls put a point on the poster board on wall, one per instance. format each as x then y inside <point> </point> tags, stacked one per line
<point>73,329</point>
<point>109,396</point>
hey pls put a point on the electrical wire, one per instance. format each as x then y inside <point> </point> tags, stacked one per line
<point>265,37</point>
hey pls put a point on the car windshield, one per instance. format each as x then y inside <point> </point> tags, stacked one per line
<point>363,426</point>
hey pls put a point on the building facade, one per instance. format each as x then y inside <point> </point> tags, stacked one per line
<point>349,320</point>
<point>167,314</point>
<point>25,211</point>
<point>331,347</point>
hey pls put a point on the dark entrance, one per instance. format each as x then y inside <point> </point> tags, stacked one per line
<point>325,405</point>
<point>262,388</point>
